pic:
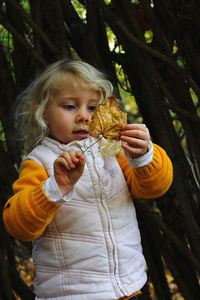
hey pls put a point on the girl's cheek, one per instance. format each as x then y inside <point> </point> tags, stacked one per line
<point>95,135</point>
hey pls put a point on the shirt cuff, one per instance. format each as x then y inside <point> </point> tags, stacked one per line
<point>53,192</point>
<point>142,160</point>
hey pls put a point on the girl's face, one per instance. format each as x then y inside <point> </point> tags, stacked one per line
<point>69,112</point>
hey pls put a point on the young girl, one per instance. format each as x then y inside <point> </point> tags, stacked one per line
<point>77,207</point>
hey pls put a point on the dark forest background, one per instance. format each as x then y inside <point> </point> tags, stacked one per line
<point>151,52</point>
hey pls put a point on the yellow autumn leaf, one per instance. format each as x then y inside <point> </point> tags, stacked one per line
<point>107,120</point>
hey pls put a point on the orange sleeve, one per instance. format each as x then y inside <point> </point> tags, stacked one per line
<point>29,211</point>
<point>152,180</point>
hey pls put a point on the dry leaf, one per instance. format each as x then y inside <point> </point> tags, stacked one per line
<point>108,119</point>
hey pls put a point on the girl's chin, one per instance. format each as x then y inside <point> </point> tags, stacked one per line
<point>76,137</point>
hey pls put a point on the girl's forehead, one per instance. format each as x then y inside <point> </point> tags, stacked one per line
<point>65,89</point>
<point>73,82</point>
<point>64,81</point>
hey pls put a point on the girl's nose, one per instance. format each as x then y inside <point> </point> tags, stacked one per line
<point>83,116</point>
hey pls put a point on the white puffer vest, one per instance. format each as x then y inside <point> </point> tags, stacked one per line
<point>92,249</point>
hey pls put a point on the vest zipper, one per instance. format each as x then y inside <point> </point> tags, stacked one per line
<point>109,232</point>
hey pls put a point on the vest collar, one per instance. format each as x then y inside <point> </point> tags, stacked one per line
<point>82,145</point>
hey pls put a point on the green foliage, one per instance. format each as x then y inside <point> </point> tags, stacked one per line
<point>123,80</point>
<point>1,29</point>
<point>128,100</point>
<point>194,97</point>
<point>80,9</point>
<point>113,42</point>
<point>2,135</point>
<point>26,6</point>
<point>130,106</point>
<point>198,111</point>
<point>195,101</point>
<point>111,38</point>
<point>148,36</point>
<point>135,1</point>
<point>6,40</point>
<point>107,2</point>
<point>180,62</point>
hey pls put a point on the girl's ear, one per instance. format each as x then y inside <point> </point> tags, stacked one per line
<point>37,114</point>
<point>45,118</point>
<point>35,108</point>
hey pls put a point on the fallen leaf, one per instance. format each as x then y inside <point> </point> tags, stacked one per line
<point>107,120</point>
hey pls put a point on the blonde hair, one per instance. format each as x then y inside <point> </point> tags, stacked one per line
<point>33,101</point>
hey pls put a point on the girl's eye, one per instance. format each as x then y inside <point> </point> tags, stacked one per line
<point>69,106</point>
<point>92,108</point>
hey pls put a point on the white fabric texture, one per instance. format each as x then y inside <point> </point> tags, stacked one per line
<point>142,160</point>
<point>52,190</point>
<point>92,248</point>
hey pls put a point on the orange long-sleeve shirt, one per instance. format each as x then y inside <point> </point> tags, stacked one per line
<point>29,211</point>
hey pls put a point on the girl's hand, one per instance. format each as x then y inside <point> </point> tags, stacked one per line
<point>137,138</point>
<point>68,168</point>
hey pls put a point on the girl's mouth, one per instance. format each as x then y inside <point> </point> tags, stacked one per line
<point>82,134</point>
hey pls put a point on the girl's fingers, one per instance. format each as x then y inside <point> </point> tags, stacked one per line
<point>61,162</point>
<point>134,142</point>
<point>80,157</point>
<point>135,152</point>
<point>70,158</point>
<point>134,127</point>
<point>136,138</point>
<point>136,135</point>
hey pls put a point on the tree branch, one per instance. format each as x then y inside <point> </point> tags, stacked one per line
<point>117,24</point>
<point>27,46</point>
<point>37,29</point>
<point>176,241</point>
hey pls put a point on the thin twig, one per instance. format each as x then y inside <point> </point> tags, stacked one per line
<point>92,144</point>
